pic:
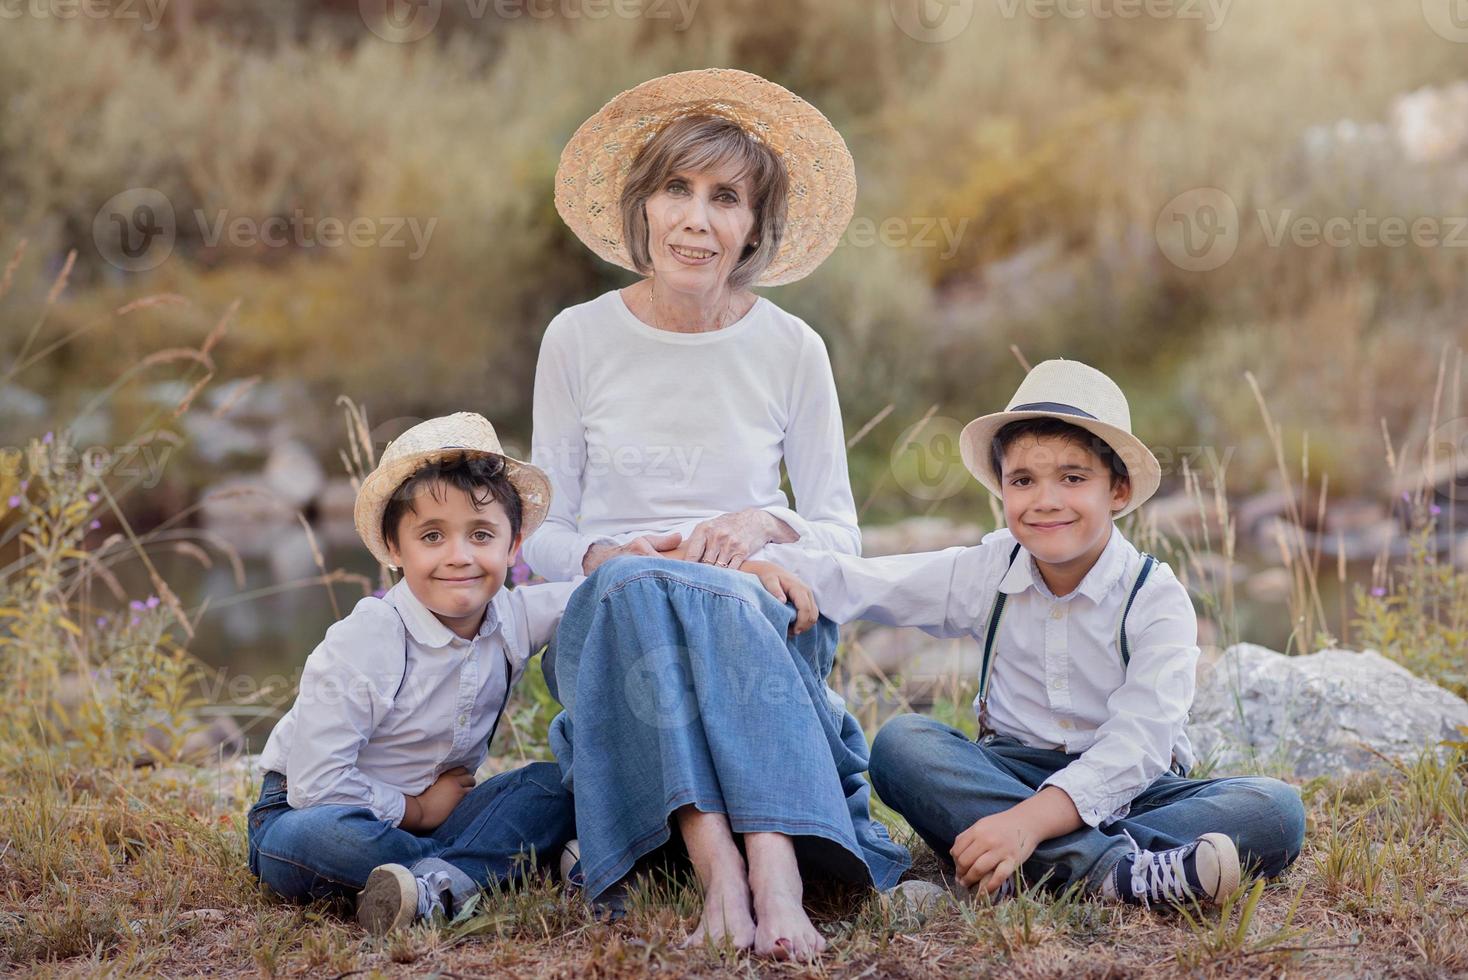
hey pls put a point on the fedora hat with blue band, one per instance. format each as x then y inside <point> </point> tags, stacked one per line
<point>1071,392</point>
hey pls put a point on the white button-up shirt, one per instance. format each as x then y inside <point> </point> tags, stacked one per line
<point>1057,679</point>
<point>392,697</point>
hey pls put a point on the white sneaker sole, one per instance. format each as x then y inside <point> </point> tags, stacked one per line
<point>1217,863</point>
<point>389,900</point>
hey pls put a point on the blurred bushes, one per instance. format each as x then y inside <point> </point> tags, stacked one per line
<point>1050,146</point>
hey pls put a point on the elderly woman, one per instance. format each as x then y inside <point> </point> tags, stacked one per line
<point>662,414</point>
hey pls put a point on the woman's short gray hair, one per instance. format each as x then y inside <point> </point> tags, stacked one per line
<point>698,143</point>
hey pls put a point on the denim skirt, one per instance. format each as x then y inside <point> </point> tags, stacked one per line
<point>681,686</point>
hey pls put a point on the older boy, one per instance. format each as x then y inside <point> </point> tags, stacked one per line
<point>369,778</point>
<point>1090,648</point>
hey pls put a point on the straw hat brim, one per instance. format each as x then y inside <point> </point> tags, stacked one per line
<point>1143,470</point>
<point>529,481</point>
<point>822,176</point>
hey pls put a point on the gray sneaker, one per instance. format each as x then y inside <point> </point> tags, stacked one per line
<point>1204,870</point>
<point>393,898</point>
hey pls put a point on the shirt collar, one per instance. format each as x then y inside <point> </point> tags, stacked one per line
<point>1098,581</point>
<point>427,629</point>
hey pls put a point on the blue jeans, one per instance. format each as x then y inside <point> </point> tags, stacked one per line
<point>695,694</point>
<point>943,783</point>
<point>500,831</point>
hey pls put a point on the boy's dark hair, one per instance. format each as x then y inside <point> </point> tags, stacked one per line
<point>1053,428</point>
<point>481,477</point>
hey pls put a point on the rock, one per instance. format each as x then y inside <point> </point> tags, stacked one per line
<point>1351,516</point>
<point>221,737</point>
<point>1320,714</point>
<point>1258,509</point>
<point>17,403</point>
<point>1272,585</point>
<point>1180,514</point>
<point>918,534</point>
<point>293,473</point>
<point>1431,124</point>
<point>214,439</point>
<point>242,502</point>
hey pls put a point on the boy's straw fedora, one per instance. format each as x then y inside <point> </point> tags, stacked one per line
<point>1076,393</point>
<point>822,175</point>
<point>429,442</point>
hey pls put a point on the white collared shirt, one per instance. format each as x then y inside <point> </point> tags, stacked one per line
<point>1057,679</point>
<point>392,697</point>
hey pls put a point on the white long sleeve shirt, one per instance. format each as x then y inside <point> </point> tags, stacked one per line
<point>646,431</point>
<point>1057,679</point>
<point>392,697</point>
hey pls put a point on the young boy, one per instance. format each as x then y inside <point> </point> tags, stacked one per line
<point>369,778</point>
<point>1079,772</point>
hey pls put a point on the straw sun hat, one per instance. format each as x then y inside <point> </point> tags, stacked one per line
<point>1076,393</point>
<point>822,197</point>
<point>462,433</point>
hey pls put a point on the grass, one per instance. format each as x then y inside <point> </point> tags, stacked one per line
<point>143,873</point>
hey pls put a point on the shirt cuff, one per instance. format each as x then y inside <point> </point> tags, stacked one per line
<point>1086,789</point>
<point>388,804</point>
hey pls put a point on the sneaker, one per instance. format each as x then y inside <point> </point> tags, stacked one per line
<point>611,905</point>
<point>393,898</point>
<point>1206,869</point>
<point>571,874</point>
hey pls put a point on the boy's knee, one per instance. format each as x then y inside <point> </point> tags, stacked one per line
<point>1276,823</point>
<point>899,751</point>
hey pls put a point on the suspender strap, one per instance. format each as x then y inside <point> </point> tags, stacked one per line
<point>989,636</point>
<point>1126,653</point>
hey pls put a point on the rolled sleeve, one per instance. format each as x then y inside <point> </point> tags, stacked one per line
<point>1145,714</point>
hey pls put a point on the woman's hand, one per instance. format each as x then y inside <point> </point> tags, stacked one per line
<point>783,585</point>
<point>651,545</point>
<point>430,808</point>
<point>727,540</point>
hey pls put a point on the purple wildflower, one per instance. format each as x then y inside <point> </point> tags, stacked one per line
<point>1406,497</point>
<point>136,606</point>
<point>1378,592</point>
<point>101,622</point>
<point>46,439</point>
<point>1435,510</point>
<point>152,602</point>
<point>520,573</point>
<point>94,525</point>
<point>133,621</point>
<point>92,498</point>
<point>14,501</point>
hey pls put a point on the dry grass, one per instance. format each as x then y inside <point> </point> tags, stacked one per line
<point>143,873</point>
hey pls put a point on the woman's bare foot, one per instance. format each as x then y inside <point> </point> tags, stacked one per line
<point>783,931</point>
<point>726,917</point>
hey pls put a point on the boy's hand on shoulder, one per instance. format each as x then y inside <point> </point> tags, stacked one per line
<point>786,587</point>
<point>435,803</point>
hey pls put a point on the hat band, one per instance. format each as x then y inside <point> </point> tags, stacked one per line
<point>1057,407</point>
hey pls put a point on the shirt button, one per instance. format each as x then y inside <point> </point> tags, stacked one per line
<point>463,718</point>
<point>1058,613</point>
<point>1065,723</point>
